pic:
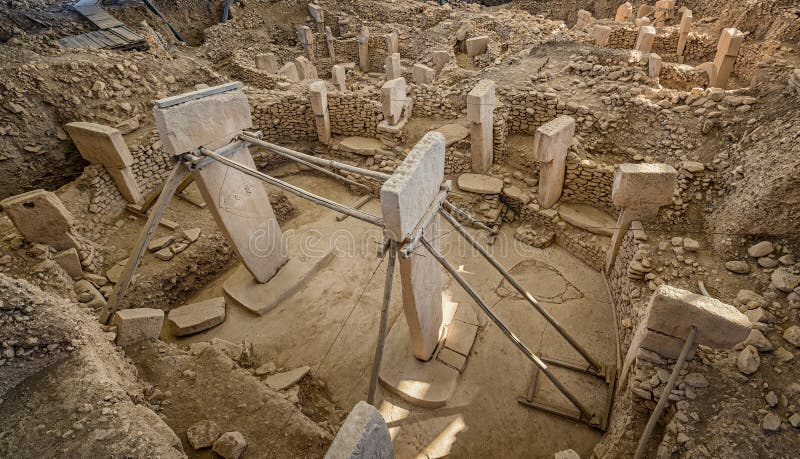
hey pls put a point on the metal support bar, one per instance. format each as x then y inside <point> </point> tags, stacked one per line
<point>585,413</point>
<point>179,172</point>
<point>469,217</point>
<point>533,302</point>
<point>294,189</point>
<point>662,402</point>
<point>387,299</point>
<point>433,210</point>
<point>313,159</point>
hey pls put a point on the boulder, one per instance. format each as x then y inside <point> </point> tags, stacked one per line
<point>203,434</point>
<point>230,445</point>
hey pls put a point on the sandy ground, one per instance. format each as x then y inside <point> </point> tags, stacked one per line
<point>331,325</point>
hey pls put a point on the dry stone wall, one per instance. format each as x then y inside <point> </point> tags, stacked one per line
<point>355,114</point>
<point>283,116</point>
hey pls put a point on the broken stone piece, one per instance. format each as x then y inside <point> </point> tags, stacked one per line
<point>70,261</point>
<point>158,244</point>
<point>363,435</point>
<point>230,445</point>
<point>196,317</point>
<point>479,183</point>
<point>203,434</point>
<point>284,380</point>
<point>39,216</point>
<point>748,360</point>
<point>139,324</point>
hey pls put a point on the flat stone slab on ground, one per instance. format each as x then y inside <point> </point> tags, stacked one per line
<point>365,146</point>
<point>479,183</point>
<point>587,218</point>
<point>196,317</point>
<point>260,298</point>
<point>287,379</point>
<point>453,133</point>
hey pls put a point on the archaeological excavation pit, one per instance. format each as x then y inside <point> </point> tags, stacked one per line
<point>399,229</point>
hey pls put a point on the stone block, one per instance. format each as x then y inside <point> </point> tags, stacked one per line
<point>140,324</point>
<point>584,18</point>
<point>210,121</point>
<point>39,216</point>
<point>406,196</point>
<point>363,435</point>
<point>196,317</point>
<point>553,138</point>
<point>600,34</point>
<point>654,65</point>
<point>318,93</point>
<point>363,49</point>
<point>644,41</point>
<point>481,101</point>
<point>393,69</point>
<point>289,70</point>
<point>305,68</point>
<point>664,345</point>
<point>70,261</point>
<point>422,74</point>
<point>338,77</point>
<point>551,181</point>
<point>100,144</point>
<point>440,59</point>
<point>392,43</point>
<point>316,12</point>
<point>673,311</point>
<point>477,45</point>
<point>479,183</point>
<point>230,445</point>
<point>624,12</point>
<point>643,185</point>
<point>126,184</point>
<point>393,98</point>
<point>730,42</point>
<point>268,62</point>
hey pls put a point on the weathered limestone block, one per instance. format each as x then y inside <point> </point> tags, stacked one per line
<point>393,69</point>
<point>624,12</point>
<point>289,70</point>
<point>481,102</point>
<point>643,185</point>
<point>39,216</point>
<point>600,34</point>
<point>196,317</point>
<point>70,261</point>
<point>664,345</point>
<point>363,435</point>
<point>730,42</point>
<point>268,62</point>
<point>685,28</point>
<point>338,77</point>
<point>644,41</point>
<point>305,68</point>
<point>393,97</point>
<point>663,12</point>
<point>330,41</point>
<point>363,49</point>
<point>405,199</point>
<point>134,325</point>
<point>673,311</point>
<point>392,43</point>
<point>440,59</point>
<point>318,16</point>
<point>306,38</point>
<point>584,18</point>
<point>319,104</point>
<point>551,142</point>
<point>654,65</point>
<point>644,10</point>
<point>126,184</point>
<point>187,126</point>
<point>477,45</point>
<point>422,74</point>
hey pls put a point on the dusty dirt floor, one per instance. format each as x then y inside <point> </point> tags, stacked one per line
<point>331,325</point>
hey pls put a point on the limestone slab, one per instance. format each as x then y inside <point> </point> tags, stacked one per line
<point>624,12</point>
<point>600,34</point>
<point>305,68</point>
<point>551,181</point>
<point>41,217</point>
<point>460,337</point>
<point>70,261</point>
<point>553,138</point>
<point>289,70</point>
<point>479,183</point>
<point>134,325</point>
<point>126,184</point>
<point>363,435</point>
<point>643,185</point>
<point>281,381</point>
<point>393,98</point>
<point>481,101</point>
<point>196,317</point>
<point>587,218</point>
<point>672,311</point>
<point>100,144</point>
<point>338,77</point>
<point>241,208</point>
<point>453,133</point>
<point>268,62</point>
<point>422,74</point>
<point>261,298</point>
<point>365,146</point>
<point>644,41</point>
<point>477,45</point>
<point>393,69</point>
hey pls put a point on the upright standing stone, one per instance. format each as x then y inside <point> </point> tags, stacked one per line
<point>40,217</point>
<point>329,41</point>
<point>392,43</point>
<point>305,68</point>
<point>318,16</point>
<point>640,189</point>
<point>268,62</point>
<point>584,18</point>
<point>363,435</point>
<point>730,42</point>
<point>104,145</point>
<point>338,75</point>
<point>477,45</point>
<point>654,65</point>
<point>663,12</point>
<point>393,66</point>
<point>601,33</point>
<point>644,42</point>
<point>480,115</point>
<point>624,12</point>
<point>237,201</point>
<point>644,10</point>
<point>550,145</point>
<point>306,38</point>
<point>685,28</point>
<point>393,97</point>
<point>319,104</point>
<point>289,70</point>
<point>405,199</point>
<point>422,74</point>
<point>363,49</point>
<point>440,59</point>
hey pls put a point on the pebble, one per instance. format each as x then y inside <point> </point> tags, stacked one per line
<point>771,422</point>
<point>792,335</point>
<point>748,360</point>
<point>760,249</point>
<point>230,445</point>
<point>737,266</point>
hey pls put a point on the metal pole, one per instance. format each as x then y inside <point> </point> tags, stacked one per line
<point>533,302</point>
<point>325,171</point>
<point>294,189</point>
<point>662,402</point>
<point>469,217</point>
<point>387,299</point>
<point>509,334</point>
<point>313,159</point>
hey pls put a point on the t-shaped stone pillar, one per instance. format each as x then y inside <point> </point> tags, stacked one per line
<point>405,200</point>
<point>683,36</point>
<point>730,42</point>
<point>663,11</point>
<point>624,12</point>
<point>305,68</point>
<point>393,97</point>
<point>480,114</point>
<point>550,145</point>
<point>104,145</point>
<point>392,43</point>
<point>318,16</point>
<point>363,50</point>
<point>338,77</point>
<point>238,202</point>
<point>40,217</point>
<point>644,41</point>
<point>329,41</point>
<point>393,69</point>
<point>640,189</point>
<point>306,38</point>
<point>319,104</point>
